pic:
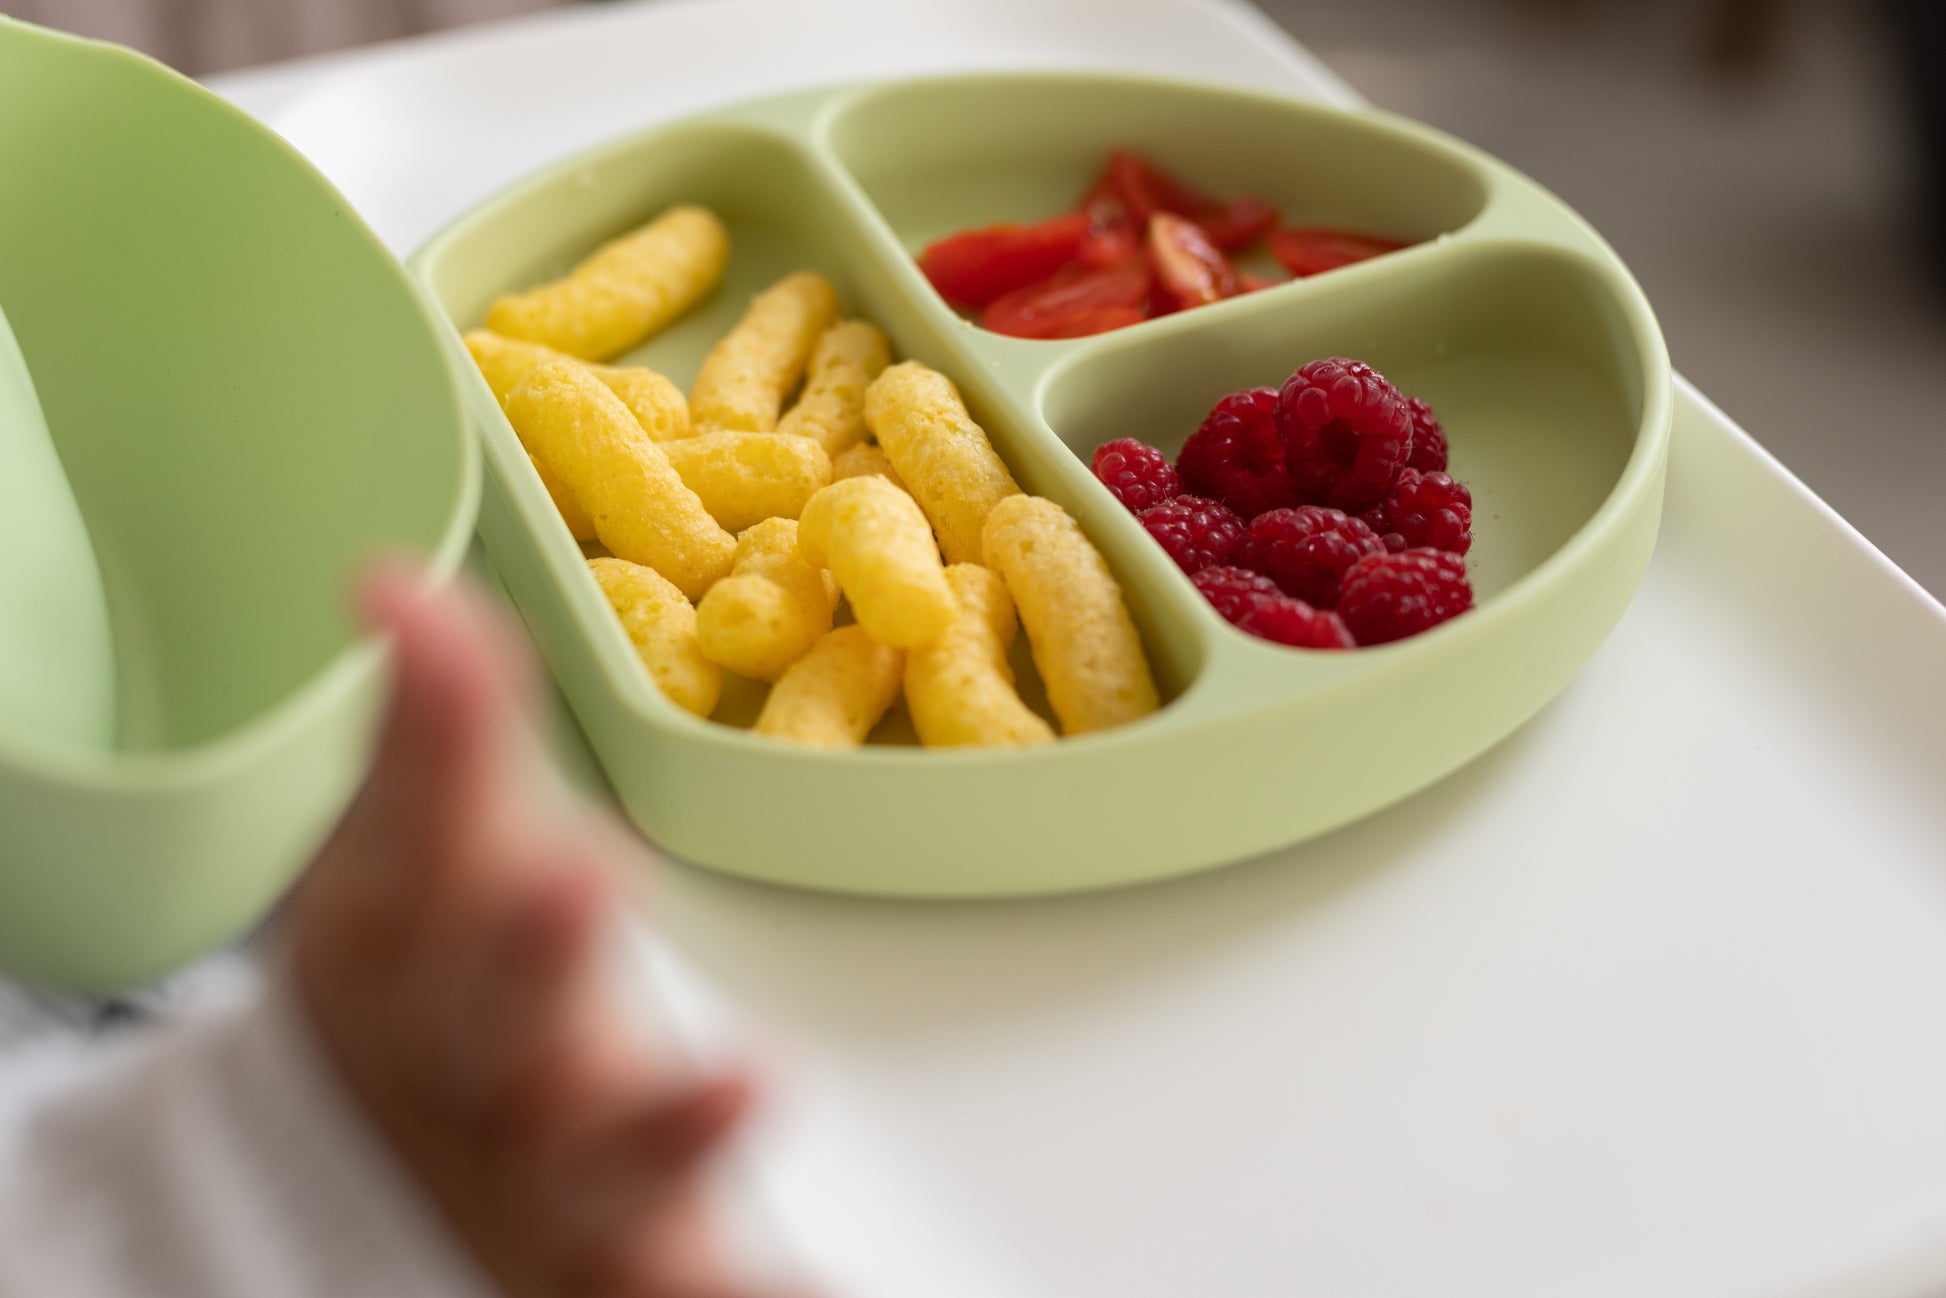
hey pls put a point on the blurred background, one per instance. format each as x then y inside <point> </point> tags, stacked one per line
<point>1769,168</point>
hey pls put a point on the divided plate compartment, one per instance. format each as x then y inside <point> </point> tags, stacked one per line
<point>1509,315</point>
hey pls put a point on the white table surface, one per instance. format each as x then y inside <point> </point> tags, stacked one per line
<point>1649,1000</point>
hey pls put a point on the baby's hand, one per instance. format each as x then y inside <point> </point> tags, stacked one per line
<point>446,946</point>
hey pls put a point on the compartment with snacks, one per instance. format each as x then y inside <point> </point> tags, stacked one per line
<point>826,570</point>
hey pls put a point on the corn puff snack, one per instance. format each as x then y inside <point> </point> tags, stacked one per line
<point>943,456</point>
<point>772,607</point>
<point>877,544</point>
<point>832,409</point>
<point>835,694</point>
<point>865,460</point>
<point>583,435</point>
<point>744,478</point>
<point>629,289</point>
<point>662,626</point>
<point>747,375</point>
<point>959,688</point>
<point>1084,641</point>
<point>657,404</point>
<point>580,526</point>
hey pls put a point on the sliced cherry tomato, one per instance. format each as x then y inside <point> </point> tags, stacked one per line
<point>975,267</point>
<point>1315,249</point>
<point>1257,283</point>
<point>1189,269</point>
<point>1240,223</point>
<point>1076,294</point>
<point>1113,239</point>
<point>1146,189</point>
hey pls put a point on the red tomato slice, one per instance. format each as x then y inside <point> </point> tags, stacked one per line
<point>1112,238</point>
<point>975,267</point>
<point>1189,269</point>
<point>1257,283</point>
<point>1076,294</point>
<point>1240,223</point>
<point>1315,249</point>
<point>1146,189</point>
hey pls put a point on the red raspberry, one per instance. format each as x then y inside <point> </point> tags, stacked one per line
<point>1287,621</point>
<point>1306,550</point>
<point>1138,474</point>
<point>1430,509</point>
<point>1231,591</point>
<point>1196,532</point>
<point>1428,438</point>
<point>1346,432</point>
<point>1251,602</point>
<point>1377,519</point>
<point>1236,457</point>
<point>1388,597</point>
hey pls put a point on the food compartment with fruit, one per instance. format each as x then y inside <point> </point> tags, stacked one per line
<point>1406,447</point>
<point>972,614</point>
<point>1040,216</point>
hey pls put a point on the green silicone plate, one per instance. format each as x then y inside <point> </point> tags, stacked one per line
<point>249,397</point>
<point>1511,316</point>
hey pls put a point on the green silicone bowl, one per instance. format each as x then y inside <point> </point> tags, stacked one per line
<point>57,660</point>
<point>1511,316</point>
<point>248,396</point>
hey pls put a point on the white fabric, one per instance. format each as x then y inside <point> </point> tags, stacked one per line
<point>212,1157</point>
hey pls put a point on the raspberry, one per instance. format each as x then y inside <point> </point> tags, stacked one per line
<point>1430,509</point>
<point>1307,550</point>
<point>1136,472</point>
<point>1428,438</point>
<point>1346,432</point>
<point>1287,621</point>
<point>1381,523</point>
<point>1236,457</point>
<point>1231,591</point>
<point>1388,597</point>
<point>1251,602</point>
<point>1196,532</point>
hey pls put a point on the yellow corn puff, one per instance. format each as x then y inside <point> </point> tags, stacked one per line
<point>835,694</point>
<point>747,375</point>
<point>628,290</point>
<point>960,688</point>
<point>584,436</point>
<point>877,544</point>
<point>744,478</point>
<point>1084,641</point>
<point>864,460</point>
<point>662,626</point>
<point>657,404</point>
<point>579,524</point>
<point>772,607</point>
<point>943,456</point>
<point>832,409</point>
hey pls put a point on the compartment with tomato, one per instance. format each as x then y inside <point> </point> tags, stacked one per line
<point>1141,244</point>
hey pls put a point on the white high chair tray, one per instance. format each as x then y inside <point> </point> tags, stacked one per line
<point>1649,1000</point>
